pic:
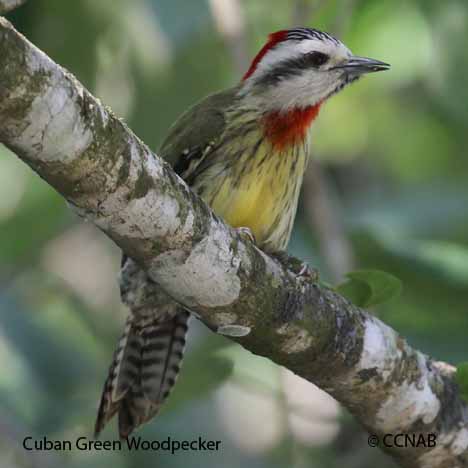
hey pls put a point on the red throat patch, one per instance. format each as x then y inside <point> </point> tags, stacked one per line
<point>273,39</point>
<point>283,128</point>
<point>289,128</point>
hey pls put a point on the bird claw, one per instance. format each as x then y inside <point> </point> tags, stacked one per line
<point>246,234</point>
<point>307,272</point>
<point>298,267</point>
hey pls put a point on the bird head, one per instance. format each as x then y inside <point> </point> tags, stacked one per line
<point>299,68</point>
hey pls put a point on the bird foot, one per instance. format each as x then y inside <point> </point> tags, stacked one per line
<point>298,267</point>
<point>307,272</point>
<point>246,234</point>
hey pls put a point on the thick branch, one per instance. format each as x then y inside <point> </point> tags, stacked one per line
<point>112,179</point>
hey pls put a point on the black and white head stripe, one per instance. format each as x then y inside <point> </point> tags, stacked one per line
<point>299,34</point>
<point>294,68</point>
<point>293,52</point>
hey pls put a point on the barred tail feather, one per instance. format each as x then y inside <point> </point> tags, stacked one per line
<point>144,370</point>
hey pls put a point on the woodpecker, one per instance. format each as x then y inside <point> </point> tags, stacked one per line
<point>244,151</point>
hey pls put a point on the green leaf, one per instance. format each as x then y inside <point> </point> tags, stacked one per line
<point>367,288</point>
<point>358,292</point>
<point>461,377</point>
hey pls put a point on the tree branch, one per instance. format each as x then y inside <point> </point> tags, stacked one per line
<point>112,179</point>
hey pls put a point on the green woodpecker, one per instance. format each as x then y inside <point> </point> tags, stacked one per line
<point>244,151</point>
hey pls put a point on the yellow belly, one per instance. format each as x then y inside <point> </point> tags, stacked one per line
<point>262,197</point>
<point>254,203</point>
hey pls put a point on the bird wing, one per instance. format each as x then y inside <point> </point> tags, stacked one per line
<point>193,134</point>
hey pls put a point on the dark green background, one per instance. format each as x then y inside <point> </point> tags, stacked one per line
<point>393,149</point>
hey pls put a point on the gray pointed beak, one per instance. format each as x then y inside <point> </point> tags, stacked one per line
<point>360,65</point>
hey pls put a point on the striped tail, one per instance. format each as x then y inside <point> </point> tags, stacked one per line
<point>144,370</point>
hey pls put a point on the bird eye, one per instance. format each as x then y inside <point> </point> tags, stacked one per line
<point>317,59</point>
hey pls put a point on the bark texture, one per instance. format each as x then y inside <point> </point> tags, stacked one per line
<point>112,179</point>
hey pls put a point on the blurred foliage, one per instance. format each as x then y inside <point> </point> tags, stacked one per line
<point>394,150</point>
<point>461,378</point>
